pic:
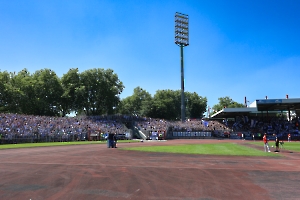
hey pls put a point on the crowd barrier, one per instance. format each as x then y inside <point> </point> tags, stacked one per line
<point>58,137</point>
<point>196,134</point>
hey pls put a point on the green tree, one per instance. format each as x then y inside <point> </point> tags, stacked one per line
<point>24,83</point>
<point>226,102</point>
<point>137,104</point>
<point>166,104</point>
<point>195,105</point>
<point>70,83</point>
<point>98,92</point>
<point>7,96</point>
<point>48,90</point>
<point>94,92</point>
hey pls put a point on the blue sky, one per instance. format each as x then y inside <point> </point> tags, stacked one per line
<point>237,48</point>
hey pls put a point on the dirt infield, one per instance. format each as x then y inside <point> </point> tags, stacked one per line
<point>96,172</point>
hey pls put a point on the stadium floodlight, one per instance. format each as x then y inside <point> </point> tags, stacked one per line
<point>182,40</point>
<point>181,29</point>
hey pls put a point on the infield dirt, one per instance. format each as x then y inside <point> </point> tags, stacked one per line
<point>96,172</point>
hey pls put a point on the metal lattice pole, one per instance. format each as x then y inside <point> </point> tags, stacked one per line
<point>182,40</point>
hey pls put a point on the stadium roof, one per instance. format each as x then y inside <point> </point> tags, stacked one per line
<point>231,112</point>
<point>278,104</point>
<point>260,105</point>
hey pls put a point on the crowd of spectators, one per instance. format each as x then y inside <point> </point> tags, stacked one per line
<point>43,128</point>
<point>197,125</point>
<point>150,125</point>
<point>29,128</point>
<point>272,125</point>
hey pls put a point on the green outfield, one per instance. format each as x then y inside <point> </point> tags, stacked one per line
<point>231,149</point>
<point>291,146</point>
<point>226,148</point>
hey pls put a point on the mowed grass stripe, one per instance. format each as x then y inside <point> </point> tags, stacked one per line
<point>230,149</point>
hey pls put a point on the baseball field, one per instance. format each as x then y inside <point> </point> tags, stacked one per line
<point>175,169</point>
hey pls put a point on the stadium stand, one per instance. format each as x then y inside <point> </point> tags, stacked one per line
<point>274,117</point>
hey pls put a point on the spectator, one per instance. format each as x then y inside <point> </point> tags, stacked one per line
<point>277,144</point>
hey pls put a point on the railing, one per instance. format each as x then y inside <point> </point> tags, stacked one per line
<point>190,135</point>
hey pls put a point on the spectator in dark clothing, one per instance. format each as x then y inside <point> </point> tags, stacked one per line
<point>110,140</point>
<point>115,139</point>
<point>277,144</point>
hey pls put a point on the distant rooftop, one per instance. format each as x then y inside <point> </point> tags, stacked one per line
<point>260,105</point>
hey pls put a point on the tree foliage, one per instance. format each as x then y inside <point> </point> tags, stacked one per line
<point>94,92</point>
<point>8,93</point>
<point>70,82</point>
<point>196,105</point>
<point>226,102</point>
<point>164,104</point>
<point>138,104</point>
<point>98,92</point>
<point>48,92</point>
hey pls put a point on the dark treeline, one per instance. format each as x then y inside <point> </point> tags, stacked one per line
<point>92,92</point>
<point>165,104</point>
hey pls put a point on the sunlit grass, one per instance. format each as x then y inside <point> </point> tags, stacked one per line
<point>291,146</point>
<point>231,149</point>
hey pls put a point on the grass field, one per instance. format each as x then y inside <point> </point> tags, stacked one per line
<point>231,149</point>
<point>291,146</point>
<point>48,144</point>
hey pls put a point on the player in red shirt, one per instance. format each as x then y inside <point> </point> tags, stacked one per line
<point>266,145</point>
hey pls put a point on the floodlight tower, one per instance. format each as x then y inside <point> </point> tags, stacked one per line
<point>182,40</point>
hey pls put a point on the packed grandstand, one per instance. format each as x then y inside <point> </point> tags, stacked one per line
<point>17,128</point>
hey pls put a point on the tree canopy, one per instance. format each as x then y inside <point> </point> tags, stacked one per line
<point>94,92</point>
<point>226,102</point>
<point>164,104</point>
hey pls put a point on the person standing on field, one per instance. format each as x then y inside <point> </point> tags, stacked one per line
<point>289,137</point>
<point>115,140</point>
<point>266,145</point>
<point>277,144</point>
